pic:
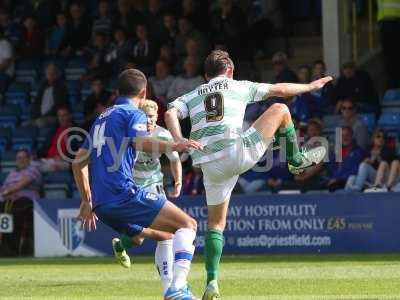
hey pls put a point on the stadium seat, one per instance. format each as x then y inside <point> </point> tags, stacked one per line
<point>9,116</point>
<point>55,191</point>
<point>7,162</point>
<point>391,98</point>
<point>389,121</point>
<point>369,120</point>
<point>75,69</point>
<point>58,177</point>
<point>5,138</point>
<point>330,121</point>
<point>24,137</point>
<point>3,176</point>
<point>74,87</point>
<point>18,93</point>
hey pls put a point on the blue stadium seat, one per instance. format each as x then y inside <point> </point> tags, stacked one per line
<point>389,121</point>
<point>3,176</point>
<point>369,120</point>
<point>5,138</point>
<point>18,93</point>
<point>24,137</point>
<point>55,191</point>
<point>330,121</point>
<point>391,98</point>
<point>9,116</point>
<point>77,113</point>
<point>74,91</point>
<point>7,162</point>
<point>58,177</point>
<point>75,69</point>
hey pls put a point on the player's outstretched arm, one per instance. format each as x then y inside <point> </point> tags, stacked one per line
<point>293,89</point>
<point>153,145</point>
<point>81,176</point>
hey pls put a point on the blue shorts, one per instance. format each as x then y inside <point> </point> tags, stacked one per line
<point>131,216</point>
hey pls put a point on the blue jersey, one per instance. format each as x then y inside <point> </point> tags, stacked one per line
<point>112,155</point>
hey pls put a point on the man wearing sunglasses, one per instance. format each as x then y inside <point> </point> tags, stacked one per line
<point>350,118</point>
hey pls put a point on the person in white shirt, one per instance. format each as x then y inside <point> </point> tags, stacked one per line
<point>162,80</point>
<point>6,62</point>
<point>187,82</point>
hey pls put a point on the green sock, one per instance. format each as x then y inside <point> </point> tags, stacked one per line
<point>293,155</point>
<point>126,242</point>
<point>213,251</point>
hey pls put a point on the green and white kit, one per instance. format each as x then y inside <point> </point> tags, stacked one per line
<point>147,170</point>
<point>216,112</point>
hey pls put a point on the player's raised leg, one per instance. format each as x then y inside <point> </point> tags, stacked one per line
<point>276,122</point>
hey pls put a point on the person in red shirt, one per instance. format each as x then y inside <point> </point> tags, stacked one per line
<point>54,153</point>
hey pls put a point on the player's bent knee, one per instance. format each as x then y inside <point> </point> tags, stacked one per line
<point>280,108</point>
<point>191,224</point>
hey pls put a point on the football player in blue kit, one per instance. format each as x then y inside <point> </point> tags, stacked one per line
<point>103,173</point>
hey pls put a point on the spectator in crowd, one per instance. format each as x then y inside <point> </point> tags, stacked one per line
<point>367,172</point>
<point>193,182</point>
<point>304,106</point>
<point>356,84</point>
<point>6,62</point>
<point>230,24</point>
<point>312,178</point>
<point>144,50</point>
<point>193,11</point>
<point>161,81</point>
<point>187,31</point>
<point>350,118</point>
<point>119,51</point>
<point>97,57</point>
<point>192,51</point>
<point>104,21</point>
<point>79,32</point>
<point>57,35</point>
<point>98,96</point>
<point>154,18</point>
<point>186,82</point>
<point>167,54</point>
<point>20,188</point>
<point>33,40</point>
<point>169,30</point>
<point>51,95</point>
<point>388,177</point>
<point>97,111</point>
<point>12,30</point>
<point>282,71</point>
<point>53,153</point>
<point>124,17</point>
<point>325,95</point>
<point>351,157</point>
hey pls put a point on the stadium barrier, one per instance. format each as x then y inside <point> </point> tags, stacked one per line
<point>306,223</point>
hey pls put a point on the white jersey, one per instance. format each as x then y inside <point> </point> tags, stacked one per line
<point>147,169</point>
<point>216,112</point>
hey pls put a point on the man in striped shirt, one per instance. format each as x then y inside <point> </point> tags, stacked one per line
<point>216,112</point>
<point>147,173</point>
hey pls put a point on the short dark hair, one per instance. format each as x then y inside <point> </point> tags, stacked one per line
<point>217,62</point>
<point>23,150</point>
<point>131,82</point>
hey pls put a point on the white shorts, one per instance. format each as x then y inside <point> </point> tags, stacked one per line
<point>220,176</point>
<point>155,188</point>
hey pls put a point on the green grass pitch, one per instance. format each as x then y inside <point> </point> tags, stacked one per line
<point>274,277</point>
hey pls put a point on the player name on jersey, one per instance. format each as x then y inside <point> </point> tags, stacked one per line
<point>210,88</point>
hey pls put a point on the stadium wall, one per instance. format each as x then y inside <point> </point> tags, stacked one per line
<point>304,223</point>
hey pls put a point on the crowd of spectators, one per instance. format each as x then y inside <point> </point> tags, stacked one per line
<point>168,40</point>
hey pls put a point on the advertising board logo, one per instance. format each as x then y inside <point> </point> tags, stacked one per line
<point>70,229</point>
